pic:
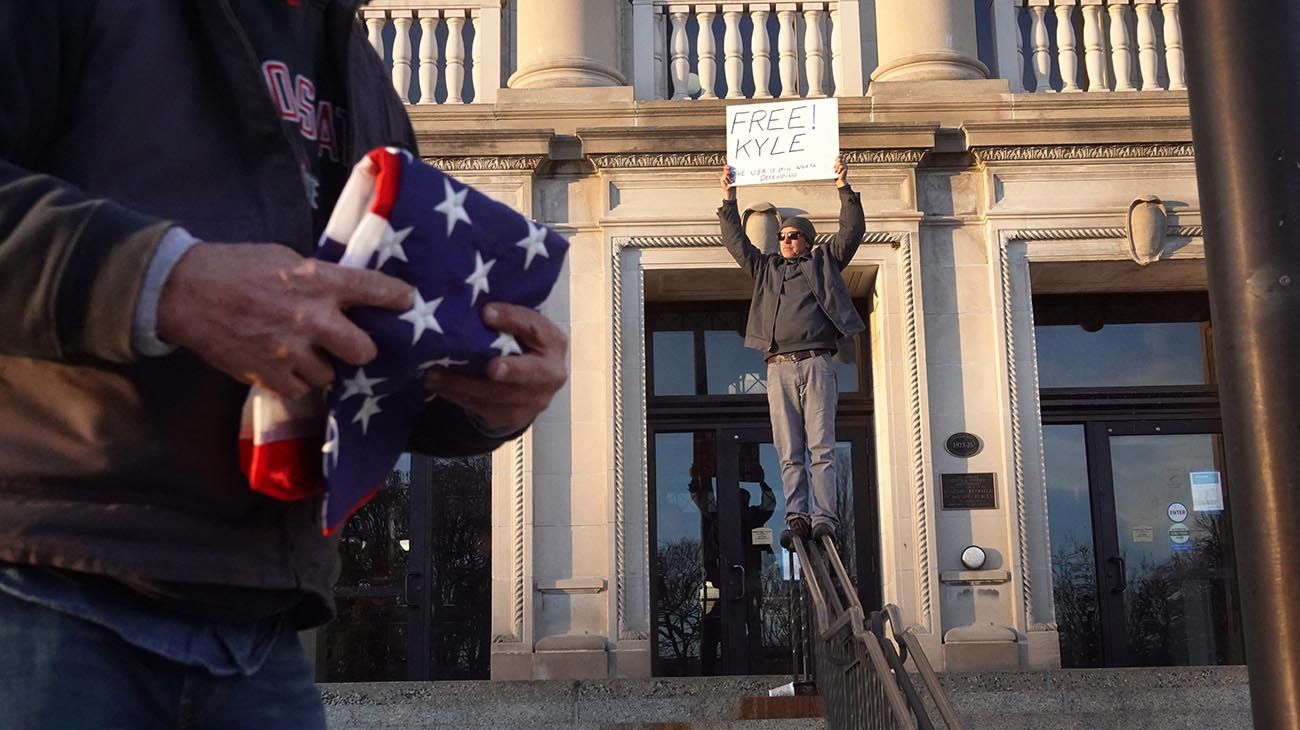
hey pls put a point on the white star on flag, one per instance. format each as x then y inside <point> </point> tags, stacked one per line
<point>534,243</point>
<point>390,245</point>
<point>369,408</point>
<point>420,315</point>
<point>507,344</point>
<point>330,448</point>
<point>478,279</point>
<point>359,384</point>
<point>453,206</point>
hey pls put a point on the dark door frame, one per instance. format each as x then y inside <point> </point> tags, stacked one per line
<point>1110,568</point>
<point>728,436</point>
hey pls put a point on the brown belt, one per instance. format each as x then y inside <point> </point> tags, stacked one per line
<point>797,355</point>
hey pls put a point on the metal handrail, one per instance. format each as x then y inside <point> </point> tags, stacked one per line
<point>859,668</point>
<point>857,686</point>
<point>910,646</point>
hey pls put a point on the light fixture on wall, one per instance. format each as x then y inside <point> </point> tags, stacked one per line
<point>973,557</point>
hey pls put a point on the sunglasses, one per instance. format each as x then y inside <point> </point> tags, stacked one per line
<point>792,235</point>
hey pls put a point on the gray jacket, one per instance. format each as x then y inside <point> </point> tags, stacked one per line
<point>821,269</point>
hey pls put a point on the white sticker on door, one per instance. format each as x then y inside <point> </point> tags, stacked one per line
<point>1207,491</point>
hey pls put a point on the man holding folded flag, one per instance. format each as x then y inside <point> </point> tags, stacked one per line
<point>164,181</point>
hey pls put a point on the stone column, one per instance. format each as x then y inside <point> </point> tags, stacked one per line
<point>927,40</point>
<point>567,44</point>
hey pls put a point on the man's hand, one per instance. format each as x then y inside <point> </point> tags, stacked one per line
<point>517,387</point>
<point>841,172</point>
<point>728,182</point>
<point>267,316</point>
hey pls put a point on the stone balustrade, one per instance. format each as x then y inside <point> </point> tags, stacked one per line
<point>738,50</point>
<point>1090,45</point>
<point>439,51</point>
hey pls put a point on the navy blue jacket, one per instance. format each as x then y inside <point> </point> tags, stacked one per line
<point>117,121</point>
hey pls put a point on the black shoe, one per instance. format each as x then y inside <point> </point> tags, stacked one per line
<point>795,527</point>
<point>823,529</point>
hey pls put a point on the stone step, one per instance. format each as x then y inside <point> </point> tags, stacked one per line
<point>1207,698</point>
<point>784,724</point>
<point>550,705</point>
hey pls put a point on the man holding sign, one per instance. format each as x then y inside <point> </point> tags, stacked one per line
<point>800,310</point>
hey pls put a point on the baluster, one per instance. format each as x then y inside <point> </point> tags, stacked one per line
<point>734,50</point>
<point>428,56</point>
<point>761,48</point>
<point>1094,45</point>
<point>706,50</point>
<point>1067,51</point>
<point>789,52</point>
<point>1042,50</point>
<point>681,52</point>
<point>661,62</point>
<point>476,53</point>
<point>375,30</point>
<point>1173,46</point>
<point>814,49</point>
<point>455,57</point>
<point>402,55</point>
<point>837,57</point>
<point>1121,57</point>
<point>1147,57</point>
<point>1018,83</point>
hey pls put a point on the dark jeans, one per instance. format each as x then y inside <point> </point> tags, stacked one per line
<point>58,671</point>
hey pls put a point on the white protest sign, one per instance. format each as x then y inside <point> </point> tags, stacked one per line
<point>783,141</point>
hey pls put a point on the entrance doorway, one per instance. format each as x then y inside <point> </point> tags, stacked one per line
<point>413,598</point>
<point>723,582</point>
<point>1142,561</point>
<point>720,581</point>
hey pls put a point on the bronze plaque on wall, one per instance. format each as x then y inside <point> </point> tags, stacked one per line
<point>968,491</point>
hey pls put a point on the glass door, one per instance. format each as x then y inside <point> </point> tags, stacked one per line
<point>414,595</point>
<point>753,476</point>
<point>1143,567</point>
<point>722,582</point>
<point>1171,597</point>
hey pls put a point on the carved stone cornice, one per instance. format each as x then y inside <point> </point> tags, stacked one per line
<point>487,163</point>
<point>635,160</point>
<point>643,160</point>
<point>1047,153</point>
<point>902,156</point>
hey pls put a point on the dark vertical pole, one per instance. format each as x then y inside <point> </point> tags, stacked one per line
<point>1243,59</point>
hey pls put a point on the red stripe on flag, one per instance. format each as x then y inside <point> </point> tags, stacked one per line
<point>387,179</point>
<point>286,470</point>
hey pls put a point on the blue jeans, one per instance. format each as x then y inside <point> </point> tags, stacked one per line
<point>59,671</point>
<point>801,398</point>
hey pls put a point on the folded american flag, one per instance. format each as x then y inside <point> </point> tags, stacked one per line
<point>460,250</point>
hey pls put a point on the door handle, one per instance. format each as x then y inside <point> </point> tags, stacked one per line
<point>411,589</point>
<point>1121,574</point>
<point>743,580</point>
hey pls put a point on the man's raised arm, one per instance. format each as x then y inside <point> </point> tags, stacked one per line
<point>733,233</point>
<point>852,221</point>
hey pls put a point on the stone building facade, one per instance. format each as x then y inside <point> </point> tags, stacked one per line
<point>1016,158</point>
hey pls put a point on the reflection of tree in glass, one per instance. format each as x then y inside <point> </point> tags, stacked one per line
<point>369,544</point>
<point>844,534</point>
<point>680,609</point>
<point>1074,587</point>
<point>368,640</point>
<point>461,548</point>
<point>775,616</point>
<point>1178,610</point>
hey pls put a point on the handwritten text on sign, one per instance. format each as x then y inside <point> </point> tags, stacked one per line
<point>784,141</point>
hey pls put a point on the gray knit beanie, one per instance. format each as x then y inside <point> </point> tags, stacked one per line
<point>803,225</point>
